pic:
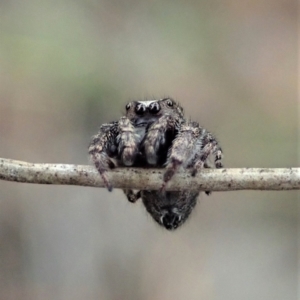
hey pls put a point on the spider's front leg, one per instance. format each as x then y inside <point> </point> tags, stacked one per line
<point>115,144</point>
<point>159,137</point>
<point>192,148</point>
<point>182,151</point>
<point>209,147</point>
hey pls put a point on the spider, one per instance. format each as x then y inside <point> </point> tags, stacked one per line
<point>154,133</point>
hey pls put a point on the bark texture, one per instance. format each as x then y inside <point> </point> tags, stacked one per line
<point>151,179</point>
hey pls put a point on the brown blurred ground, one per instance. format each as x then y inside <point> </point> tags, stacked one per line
<point>68,66</point>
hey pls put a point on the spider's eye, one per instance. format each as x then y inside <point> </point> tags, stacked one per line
<point>140,109</point>
<point>170,103</point>
<point>128,105</point>
<point>154,107</point>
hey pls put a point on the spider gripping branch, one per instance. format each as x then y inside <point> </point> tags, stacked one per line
<point>155,133</point>
<point>225,180</point>
<point>153,149</point>
<point>150,180</point>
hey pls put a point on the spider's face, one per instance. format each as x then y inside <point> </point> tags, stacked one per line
<point>170,209</point>
<point>142,113</point>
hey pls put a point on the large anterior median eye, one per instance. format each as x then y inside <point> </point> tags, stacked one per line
<point>140,109</point>
<point>154,107</point>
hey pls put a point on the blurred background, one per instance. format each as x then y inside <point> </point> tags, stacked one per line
<point>66,67</point>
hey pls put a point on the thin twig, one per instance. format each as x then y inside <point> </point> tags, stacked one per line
<point>151,179</point>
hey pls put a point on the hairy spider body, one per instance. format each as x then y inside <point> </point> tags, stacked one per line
<point>141,138</point>
<point>169,209</point>
<point>155,134</point>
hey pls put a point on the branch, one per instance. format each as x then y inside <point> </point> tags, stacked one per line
<point>151,179</point>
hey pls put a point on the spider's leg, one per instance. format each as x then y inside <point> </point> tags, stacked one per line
<point>101,146</point>
<point>156,137</point>
<point>209,146</point>
<point>132,196</point>
<point>183,150</point>
<point>206,166</point>
<point>116,142</point>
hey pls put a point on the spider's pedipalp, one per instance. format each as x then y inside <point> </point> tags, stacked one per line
<point>128,142</point>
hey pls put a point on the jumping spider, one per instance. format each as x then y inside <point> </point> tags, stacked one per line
<point>155,134</point>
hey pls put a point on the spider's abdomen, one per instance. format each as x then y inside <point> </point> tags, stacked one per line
<point>170,209</point>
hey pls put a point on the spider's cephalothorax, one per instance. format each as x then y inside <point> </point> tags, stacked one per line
<point>140,138</point>
<point>155,133</point>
